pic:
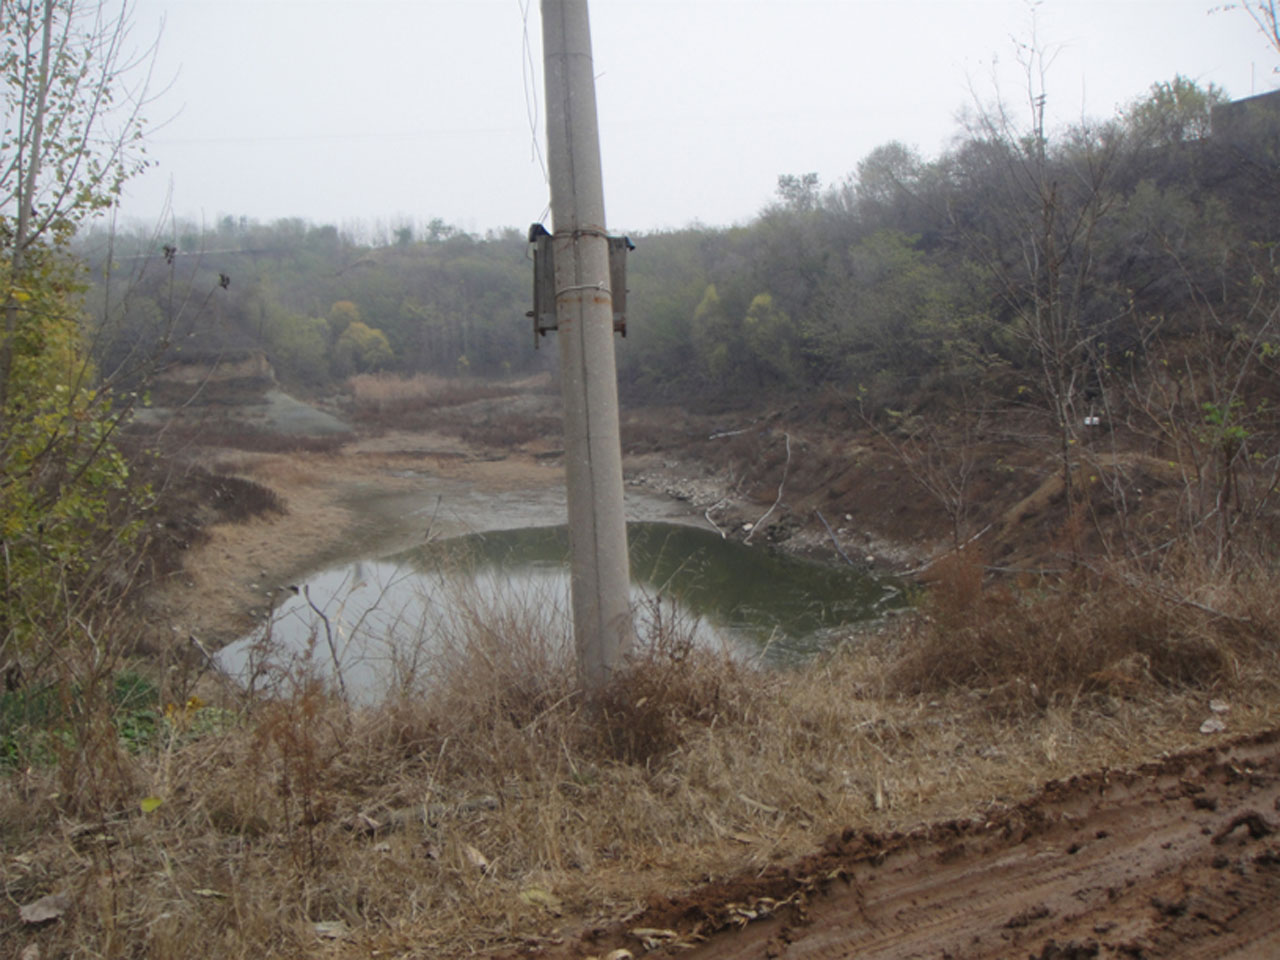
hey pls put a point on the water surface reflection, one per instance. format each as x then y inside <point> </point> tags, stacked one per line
<point>381,619</point>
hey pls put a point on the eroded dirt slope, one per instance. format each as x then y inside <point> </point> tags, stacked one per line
<point>1179,858</point>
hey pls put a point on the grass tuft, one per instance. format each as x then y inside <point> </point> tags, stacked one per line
<point>667,695</point>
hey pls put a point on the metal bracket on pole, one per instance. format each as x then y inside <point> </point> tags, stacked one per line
<point>545,293</point>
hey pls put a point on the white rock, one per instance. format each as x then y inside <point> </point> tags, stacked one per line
<point>1212,725</point>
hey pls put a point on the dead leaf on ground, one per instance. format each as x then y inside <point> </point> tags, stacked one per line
<point>331,930</point>
<point>652,938</point>
<point>476,858</point>
<point>541,897</point>
<point>364,824</point>
<point>51,907</point>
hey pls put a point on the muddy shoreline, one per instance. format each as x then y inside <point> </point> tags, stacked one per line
<point>375,497</point>
<point>385,490</point>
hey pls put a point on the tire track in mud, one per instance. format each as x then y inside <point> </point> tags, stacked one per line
<point>1179,858</point>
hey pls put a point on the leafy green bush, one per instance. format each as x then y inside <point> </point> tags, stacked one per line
<point>37,721</point>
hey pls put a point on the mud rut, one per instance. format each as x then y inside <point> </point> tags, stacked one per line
<point>1179,858</point>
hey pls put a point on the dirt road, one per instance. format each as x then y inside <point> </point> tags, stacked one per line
<point>1176,859</point>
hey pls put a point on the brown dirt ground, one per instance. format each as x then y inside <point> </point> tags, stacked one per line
<point>1177,858</point>
<point>338,503</point>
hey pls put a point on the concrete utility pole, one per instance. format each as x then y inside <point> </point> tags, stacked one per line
<point>600,569</point>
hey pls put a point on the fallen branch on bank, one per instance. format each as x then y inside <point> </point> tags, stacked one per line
<point>932,560</point>
<point>1161,592</point>
<point>707,514</point>
<point>832,534</point>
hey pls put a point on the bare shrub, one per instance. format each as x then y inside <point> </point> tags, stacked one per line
<point>643,435</point>
<point>664,696</point>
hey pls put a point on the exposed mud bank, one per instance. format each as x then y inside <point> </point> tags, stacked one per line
<point>374,497</point>
<point>833,535</point>
<point>799,483</point>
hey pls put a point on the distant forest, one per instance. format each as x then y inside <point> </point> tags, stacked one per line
<point>1016,251</point>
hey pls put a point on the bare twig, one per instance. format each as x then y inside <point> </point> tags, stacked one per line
<point>782,483</point>
<point>431,524</point>
<point>932,560</point>
<point>328,636</point>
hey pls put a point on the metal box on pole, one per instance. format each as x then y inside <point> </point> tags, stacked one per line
<point>544,283</point>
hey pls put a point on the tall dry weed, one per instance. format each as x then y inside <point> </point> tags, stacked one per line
<point>667,693</point>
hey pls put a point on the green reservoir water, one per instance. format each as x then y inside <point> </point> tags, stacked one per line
<point>384,616</point>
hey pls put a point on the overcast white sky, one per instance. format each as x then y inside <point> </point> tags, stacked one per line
<point>391,110</point>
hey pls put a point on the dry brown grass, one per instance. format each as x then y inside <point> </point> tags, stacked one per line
<point>1097,633</point>
<point>507,433</point>
<point>378,392</point>
<point>482,413</point>
<point>500,808</point>
<point>384,397</point>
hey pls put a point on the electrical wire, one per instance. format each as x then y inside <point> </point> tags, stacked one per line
<point>528,76</point>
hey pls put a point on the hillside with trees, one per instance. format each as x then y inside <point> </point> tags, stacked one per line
<point>1037,262</point>
<point>1104,295</point>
